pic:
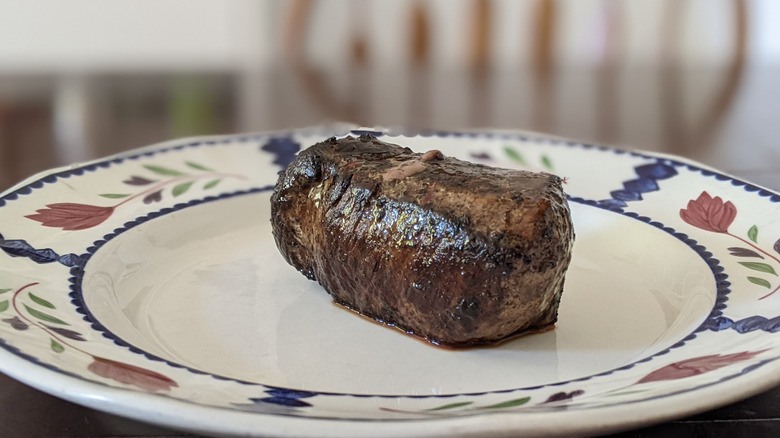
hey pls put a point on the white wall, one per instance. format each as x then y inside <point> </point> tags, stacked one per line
<point>128,34</point>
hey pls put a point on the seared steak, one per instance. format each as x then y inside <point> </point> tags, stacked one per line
<point>454,252</point>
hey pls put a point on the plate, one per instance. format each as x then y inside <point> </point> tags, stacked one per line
<point>148,285</point>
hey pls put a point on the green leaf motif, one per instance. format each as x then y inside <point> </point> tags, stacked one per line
<point>509,403</point>
<point>211,184</point>
<point>114,195</point>
<point>758,266</point>
<point>514,154</point>
<point>56,346</point>
<point>3,306</point>
<point>753,233</point>
<point>43,316</point>
<point>547,162</point>
<point>70,334</point>
<point>164,171</point>
<point>2,291</point>
<point>181,188</point>
<point>41,302</point>
<point>198,166</point>
<point>760,282</point>
<point>450,406</point>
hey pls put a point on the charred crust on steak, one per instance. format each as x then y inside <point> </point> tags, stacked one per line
<point>454,252</point>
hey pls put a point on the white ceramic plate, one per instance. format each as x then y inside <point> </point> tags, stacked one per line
<point>149,285</point>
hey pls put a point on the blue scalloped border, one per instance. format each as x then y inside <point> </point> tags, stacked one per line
<point>77,298</point>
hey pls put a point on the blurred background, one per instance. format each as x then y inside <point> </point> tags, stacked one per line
<point>86,78</point>
<point>81,79</point>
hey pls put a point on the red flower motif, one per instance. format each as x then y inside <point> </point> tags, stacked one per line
<point>131,375</point>
<point>697,365</point>
<point>709,213</point>
<point>71,217</point>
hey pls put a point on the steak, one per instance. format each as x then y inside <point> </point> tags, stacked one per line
<point>457,253</point>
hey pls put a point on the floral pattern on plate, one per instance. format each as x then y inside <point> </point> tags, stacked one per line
<point>712,214</point>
